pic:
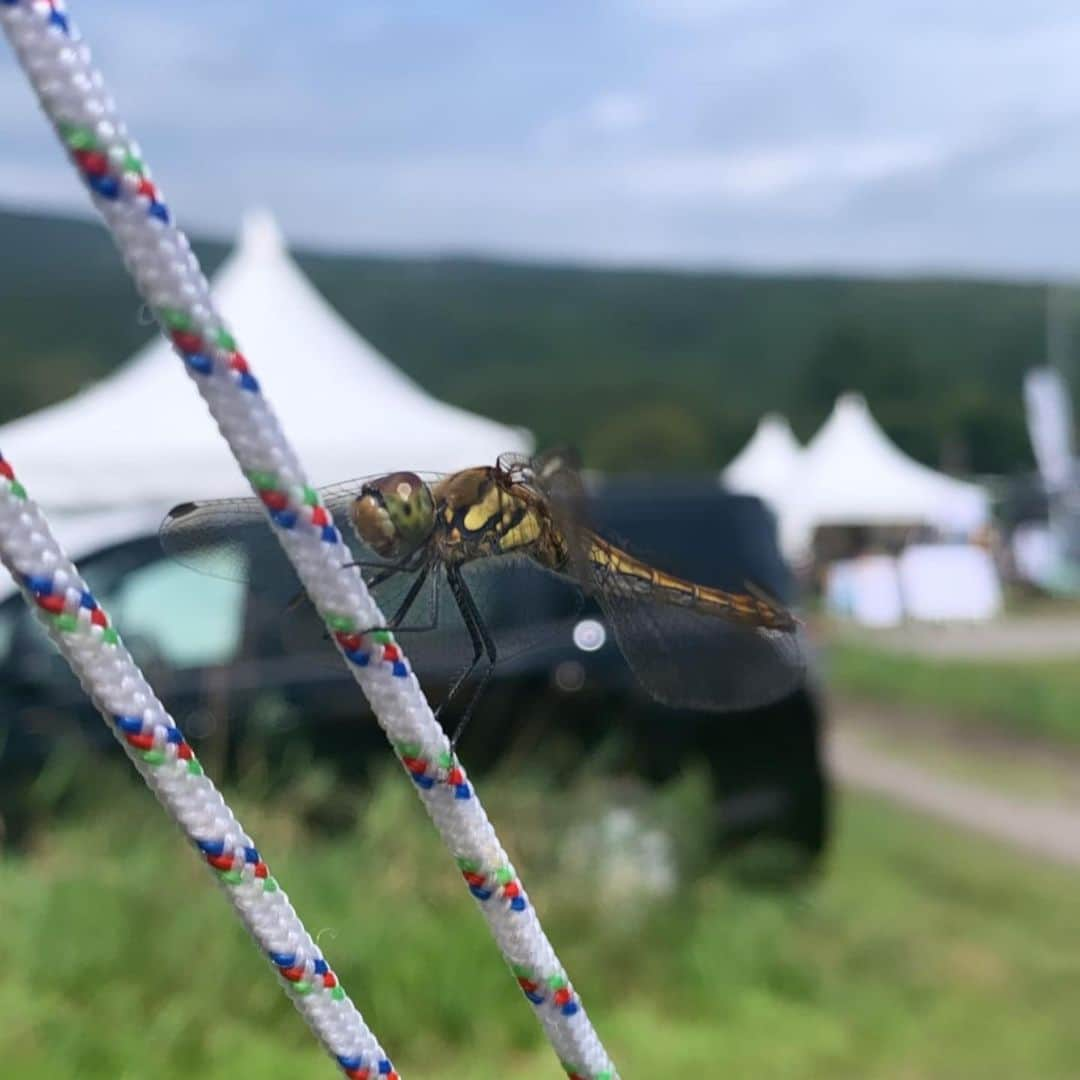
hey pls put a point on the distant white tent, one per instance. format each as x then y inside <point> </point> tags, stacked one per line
<point>143,436</point>
<point>851,474</point>
<point>766,464</point>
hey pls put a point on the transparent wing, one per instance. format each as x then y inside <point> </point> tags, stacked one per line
<point>682,654</point>
<point>688,658</point>
<point>513,463</point>
<point>231,539</point>
<point>228,538</point>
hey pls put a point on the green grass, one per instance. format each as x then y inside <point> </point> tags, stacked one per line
<point>920,952</point>
<point>1029,698</point>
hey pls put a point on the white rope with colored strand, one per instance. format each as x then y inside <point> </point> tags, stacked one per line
<point>168,276</point>
<point>81,630</point>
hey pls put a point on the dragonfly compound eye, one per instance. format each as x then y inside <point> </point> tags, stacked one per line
<point>394,514</point>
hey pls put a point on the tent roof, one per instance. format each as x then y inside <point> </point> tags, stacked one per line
<point>766,464</point>
<point>852,474</point>
<point>143,436</point>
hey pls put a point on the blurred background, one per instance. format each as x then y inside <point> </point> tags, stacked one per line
<point>798,282</point>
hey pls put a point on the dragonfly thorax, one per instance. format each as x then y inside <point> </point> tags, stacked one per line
<point>394,514</point>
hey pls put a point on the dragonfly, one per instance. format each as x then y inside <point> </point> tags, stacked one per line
<point>689,645</point>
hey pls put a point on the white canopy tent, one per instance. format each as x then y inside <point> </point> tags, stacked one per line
<point>766,464</point>
<point>143,437</point>
<point>851,474</point>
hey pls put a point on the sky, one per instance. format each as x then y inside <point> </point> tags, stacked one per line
<point>867,135</point>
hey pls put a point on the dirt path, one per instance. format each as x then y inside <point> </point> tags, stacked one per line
<point>1035,636</point>
<point>1047,828</point>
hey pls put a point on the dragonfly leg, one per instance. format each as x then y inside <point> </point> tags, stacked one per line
<point>412,561</point>
<point>482,643</point>
<point>471,617</point>
<point>395,620</point>
<point>409,599</point>
<point>433,622</point>
<point>477,694</point>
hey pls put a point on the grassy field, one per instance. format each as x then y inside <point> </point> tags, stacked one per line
<point>1025,697</point>
<point>919,952</point>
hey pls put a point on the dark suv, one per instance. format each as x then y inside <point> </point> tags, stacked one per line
<point>214,651</point>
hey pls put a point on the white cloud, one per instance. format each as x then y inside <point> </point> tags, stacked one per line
<point>826,168</point>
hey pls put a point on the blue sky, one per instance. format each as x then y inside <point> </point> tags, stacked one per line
<point>872,135</point>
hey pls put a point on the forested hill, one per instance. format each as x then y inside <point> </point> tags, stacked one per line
<point>639,367</point>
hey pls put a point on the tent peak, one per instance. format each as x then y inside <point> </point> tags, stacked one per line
<point>775,422</point>
<point>851,401</point>
<point>766,464</point>
<point>260,234</point>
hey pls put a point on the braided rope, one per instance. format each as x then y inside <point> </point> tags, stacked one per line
<point>81,630</point>
<point>168,276</point>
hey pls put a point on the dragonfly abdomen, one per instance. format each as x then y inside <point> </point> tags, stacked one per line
<point>743,607</point>
<point>649,582</point>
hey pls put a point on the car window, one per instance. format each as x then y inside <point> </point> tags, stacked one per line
<point>166,613</point>
<point>169,612</point>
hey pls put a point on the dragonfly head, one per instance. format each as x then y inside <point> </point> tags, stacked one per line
<point>394,514</point>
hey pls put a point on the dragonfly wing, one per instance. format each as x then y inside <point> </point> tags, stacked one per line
<point>232,539</point>
<point>229,538</point>
<point>681,655</point>
<point>216,537</point>
<point>513,462</point>
<point>557,477</point>
<point>689,659</point>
